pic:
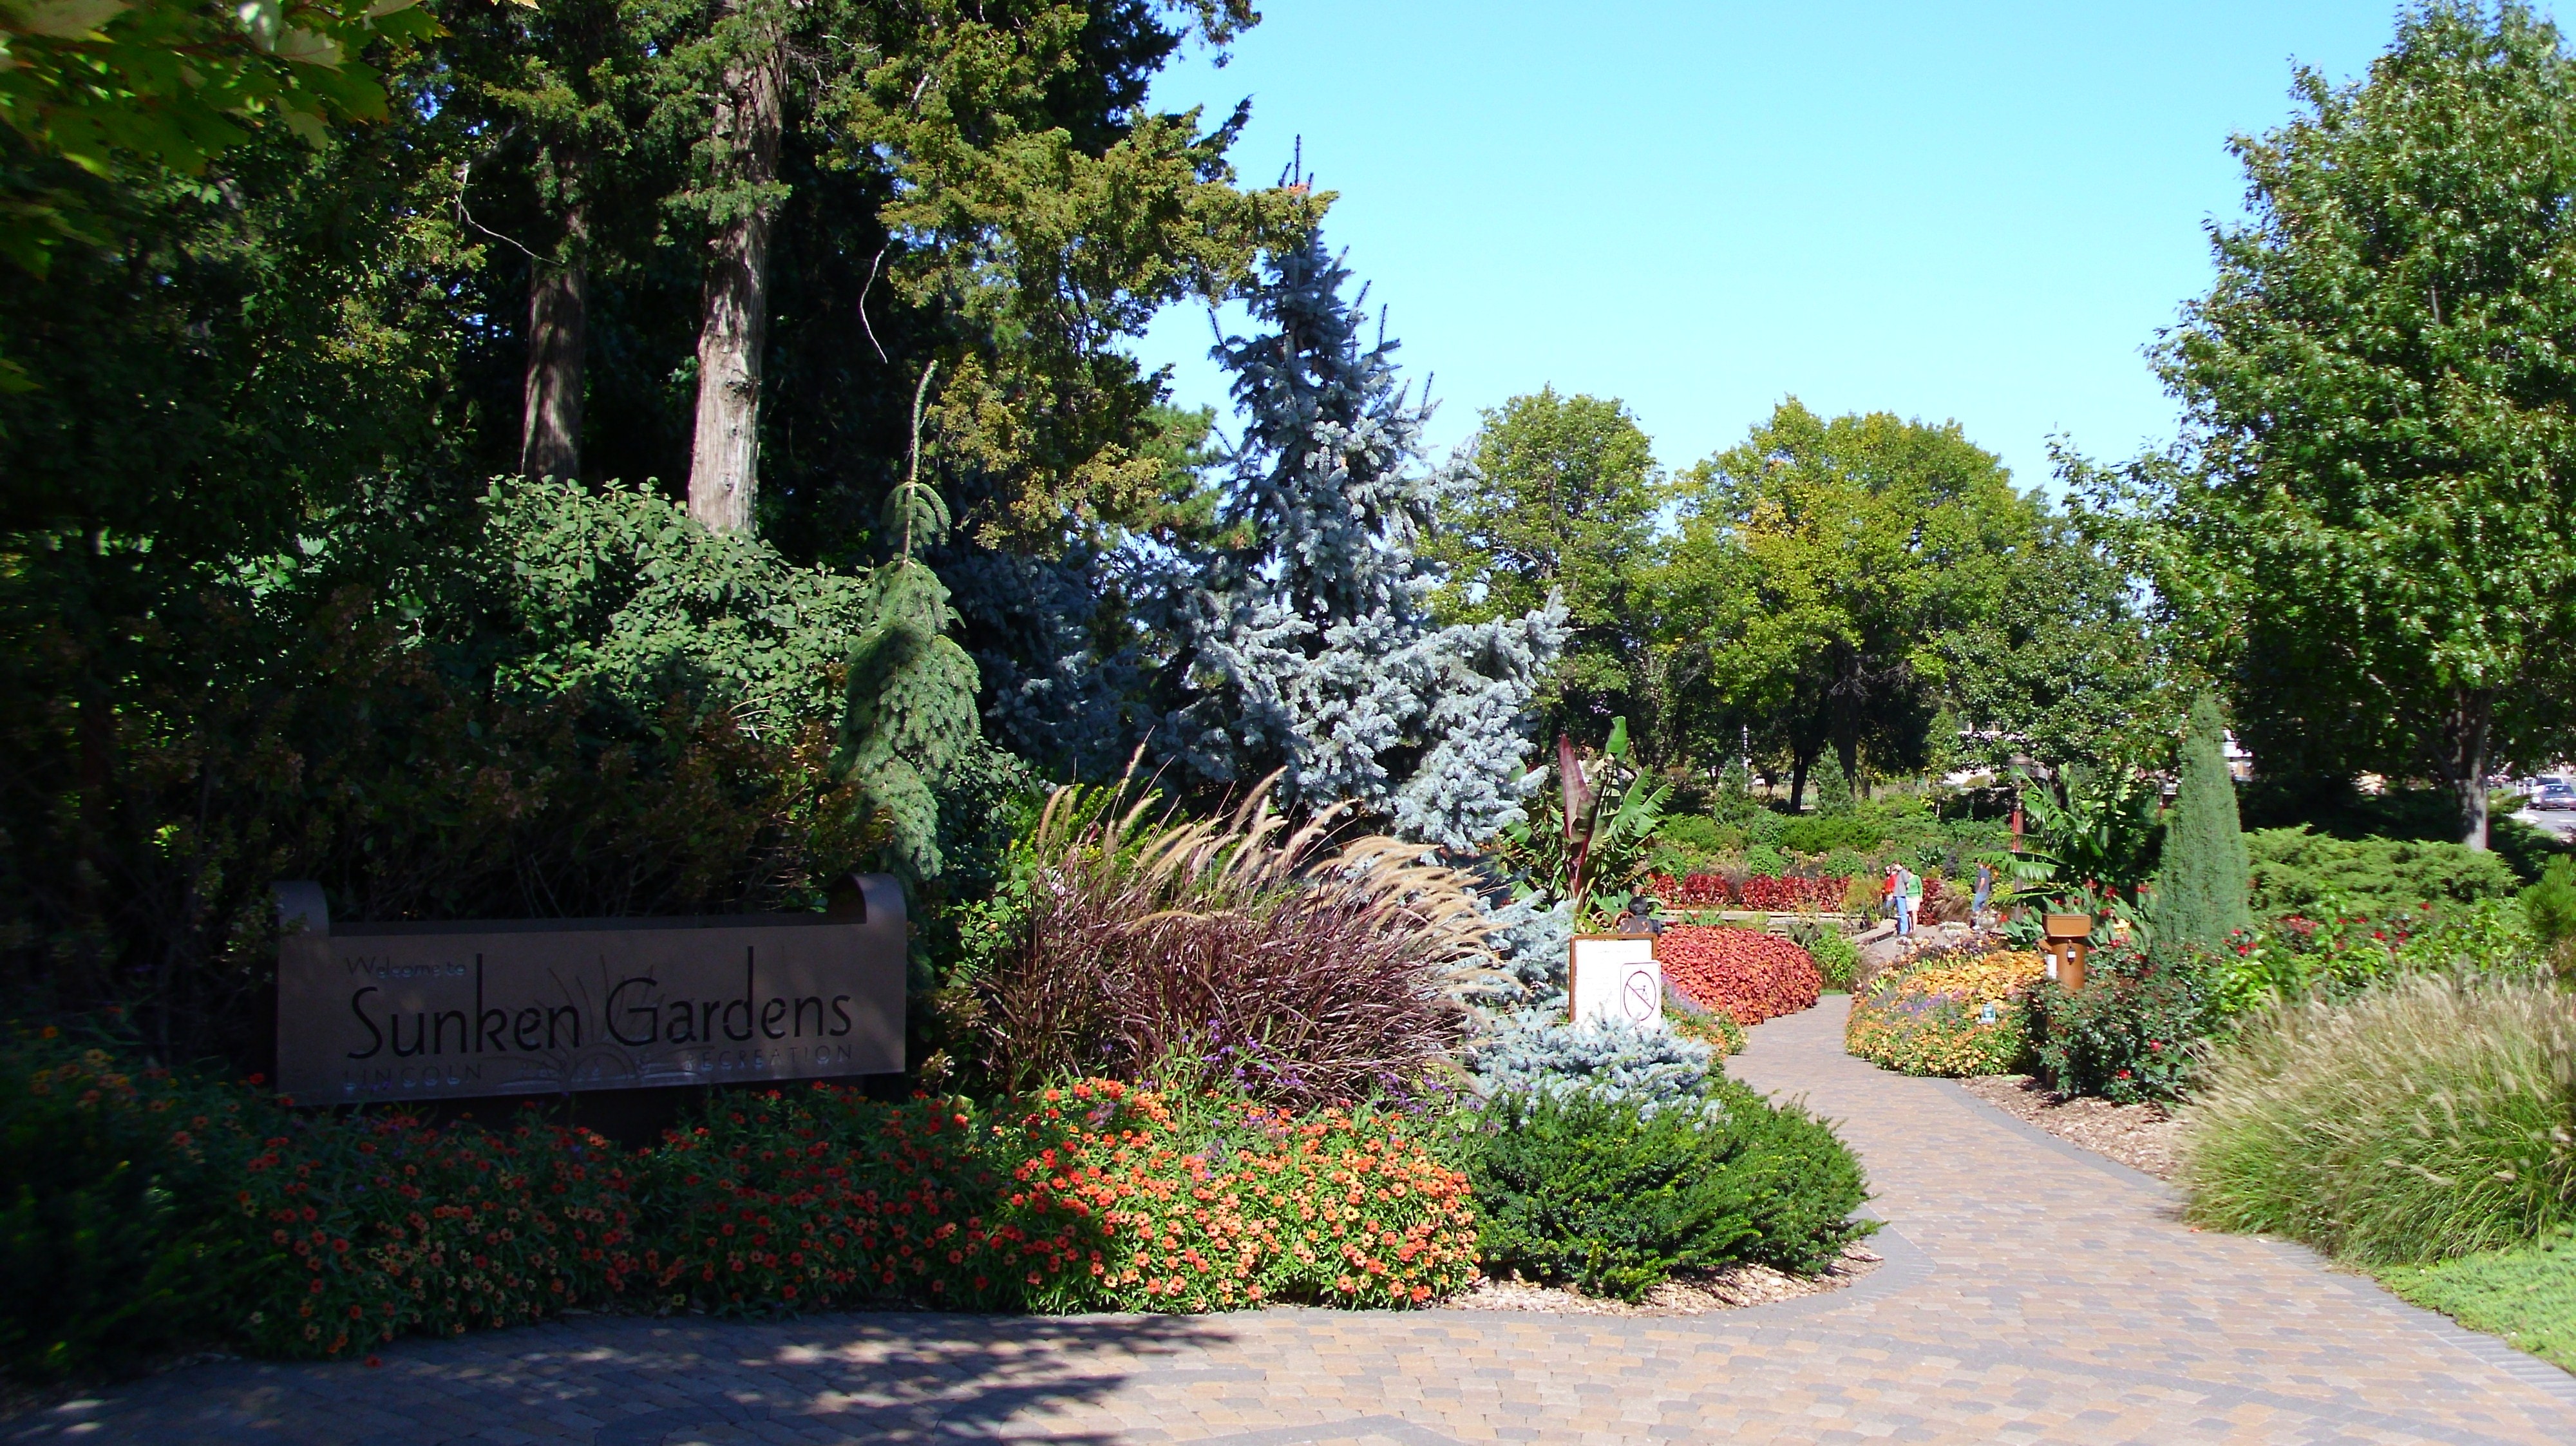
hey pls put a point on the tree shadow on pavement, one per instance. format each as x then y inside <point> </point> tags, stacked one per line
<point>854,1377</point>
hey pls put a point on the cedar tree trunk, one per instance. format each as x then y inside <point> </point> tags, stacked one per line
<point>558,338</point>
<point>734,323</point>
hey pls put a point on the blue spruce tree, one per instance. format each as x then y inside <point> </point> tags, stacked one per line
<point>1309,647</point>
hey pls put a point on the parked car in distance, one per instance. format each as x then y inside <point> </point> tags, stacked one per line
<point>2554,794</point>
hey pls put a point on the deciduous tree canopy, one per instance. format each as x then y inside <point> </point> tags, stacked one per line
<point>2382,460</point>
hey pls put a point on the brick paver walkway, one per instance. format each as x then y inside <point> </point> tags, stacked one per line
<point>2033,1292</point>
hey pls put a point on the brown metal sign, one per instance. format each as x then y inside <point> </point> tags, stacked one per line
<point>371,1012</point>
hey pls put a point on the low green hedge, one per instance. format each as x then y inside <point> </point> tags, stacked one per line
<point>2300,872</point>
<point>1595,1194</point>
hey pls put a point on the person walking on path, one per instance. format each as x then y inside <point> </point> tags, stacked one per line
<point>1905,886</point>
<point>1985,891</point>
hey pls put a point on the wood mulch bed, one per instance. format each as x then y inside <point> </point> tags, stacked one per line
<point>2142,1137</point>
<point>1733,1288</point>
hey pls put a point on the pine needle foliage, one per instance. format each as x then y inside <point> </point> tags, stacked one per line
<point>910,718</point>
<point>1308,645</point>
<point>1833,787</point>
<point>2201,887</point>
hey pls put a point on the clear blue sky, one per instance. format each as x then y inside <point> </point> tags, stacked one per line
<point>1979,212</point>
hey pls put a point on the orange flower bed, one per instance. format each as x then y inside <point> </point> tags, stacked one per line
<point>1099,1198</point>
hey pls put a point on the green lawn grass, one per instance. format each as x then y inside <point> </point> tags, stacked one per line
<point>2526,1295</point>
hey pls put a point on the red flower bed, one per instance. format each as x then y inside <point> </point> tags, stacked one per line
<point>1750,976</point>
<point>1762,891</point>
<point>1691,891</point>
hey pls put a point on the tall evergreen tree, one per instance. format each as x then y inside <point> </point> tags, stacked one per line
<point>2201,885</point>
<point>1833,786</point>
<point>1309,644</point>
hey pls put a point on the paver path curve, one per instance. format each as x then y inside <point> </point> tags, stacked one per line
<point>2033,1292</point>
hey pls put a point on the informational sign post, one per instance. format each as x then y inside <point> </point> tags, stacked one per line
<point>371,1012</point>
<point>1615,977</point>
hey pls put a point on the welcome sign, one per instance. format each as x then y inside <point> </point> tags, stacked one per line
<point>440,1011</point>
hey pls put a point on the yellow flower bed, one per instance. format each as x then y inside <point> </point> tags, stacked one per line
<point>1983,978</point>
<point>1952,1015</point>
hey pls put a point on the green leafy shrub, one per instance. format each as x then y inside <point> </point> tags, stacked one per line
<point>1826,833</point>
<point>1837,957</point>
<point>1592,1193</point>
<point>2127,1035</point>
<point>2300,872</point>
<point>2338,956</point>
<point>2421,1120</point>
<point>1695,839</point>
<point>1766,861</point>
<point>617,592</point>
<point>362,763</point>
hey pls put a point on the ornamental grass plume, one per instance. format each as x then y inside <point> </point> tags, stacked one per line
<point>1200,951</point>
<point>2427,1118</point>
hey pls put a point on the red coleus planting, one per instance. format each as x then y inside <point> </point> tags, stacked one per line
<point>1750,976</point>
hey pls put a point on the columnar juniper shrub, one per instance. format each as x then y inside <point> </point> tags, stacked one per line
<point>1948,1014</point>
<point>1614,1199</point>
